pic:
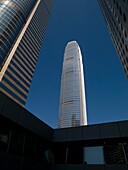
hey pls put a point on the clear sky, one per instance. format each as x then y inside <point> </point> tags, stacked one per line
<point>106,84</point>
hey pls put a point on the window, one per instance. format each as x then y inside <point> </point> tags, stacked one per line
<point>30,147</point>
<point>16,143</point>
<point>126,48</point>
<point>114,154</point>
<point>118,20</point>
<point>75,155</point>
<point>120,10</point>
<point>117,5</point>
<point>124,17</point>
<point>121,27</point>
<point>122,40</point>
<point>123,52</point>
<point>60,154</point>
<point>4,138</point>
<point>125,33</point>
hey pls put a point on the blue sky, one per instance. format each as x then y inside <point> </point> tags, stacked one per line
<point>106,84</point>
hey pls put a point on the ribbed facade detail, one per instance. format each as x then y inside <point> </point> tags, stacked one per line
<point>116,16</point>
<point>22,28</point>
<point>72,108</point>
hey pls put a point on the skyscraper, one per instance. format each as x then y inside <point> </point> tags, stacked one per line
<point>116,16</point>
<point>72,110</point>
<point>22,28</point>
<point>116,153</point>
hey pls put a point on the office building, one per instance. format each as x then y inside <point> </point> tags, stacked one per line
<point>116,153</point>
<point>26,142</point>
<point>72,110</point>
<point>116,16</point>
<point>22,28</point>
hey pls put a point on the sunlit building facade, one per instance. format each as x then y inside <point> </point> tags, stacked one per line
<point>22,28</point>
<point>116,16</point>
<point>72,108</point>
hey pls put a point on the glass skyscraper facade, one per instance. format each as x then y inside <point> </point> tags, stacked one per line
<point>22,28</point>
<point>72,108</point>
<point>116,16</point>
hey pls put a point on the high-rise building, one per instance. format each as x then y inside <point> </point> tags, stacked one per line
<point>116,154</point>
<point>22,28</point>
<point>116,16</point>
<point>72,110</point>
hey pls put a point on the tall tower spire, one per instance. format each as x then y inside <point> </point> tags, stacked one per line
<point>72,109</point>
